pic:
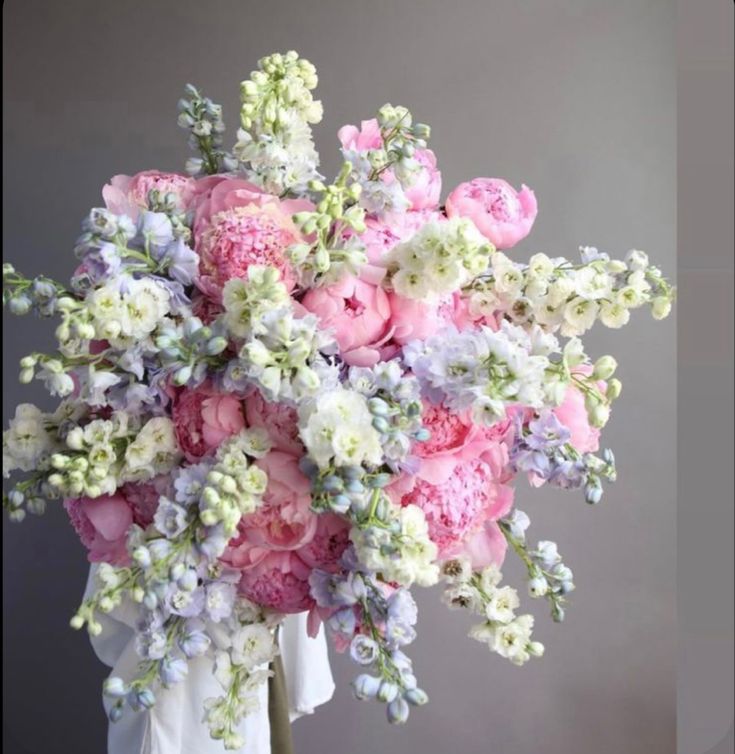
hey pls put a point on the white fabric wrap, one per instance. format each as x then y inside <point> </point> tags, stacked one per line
<point>174,725</point>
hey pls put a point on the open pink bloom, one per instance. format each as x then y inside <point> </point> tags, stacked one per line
<point>280,580</point>
<point>502,214</point>
<point>459,507</point>
<point>279,419</point>
<point>365,138</point>
<point>102,524</point>
<point>572,414</point>
<point>284,521</point>
<point>413,319</point>
<point>237,225</point>
<point>203,418</point>
<point>424,191</point>
<point>357,310</point>
<point>127,195</point>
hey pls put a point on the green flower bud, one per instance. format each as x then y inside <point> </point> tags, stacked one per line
<point>604,368</point>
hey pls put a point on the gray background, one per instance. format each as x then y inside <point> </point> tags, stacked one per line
<point>576,99</point>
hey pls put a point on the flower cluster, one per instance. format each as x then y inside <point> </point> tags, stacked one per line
<point>283,395</point>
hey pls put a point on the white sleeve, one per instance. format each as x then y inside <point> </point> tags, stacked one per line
<point>174,725</point>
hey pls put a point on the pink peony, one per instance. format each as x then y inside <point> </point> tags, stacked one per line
<point>236,225</point>
<point>458,508</point>
<point>328,544</point>
<point>280,580</point>
<point>102,524</point>
<point>284,521</point>
<point>454,440</point>
<point>573,415</point>
<point>205,308</point>
<point>143,497</point>
<point>279,419</point>
<point>426,188</point>
<point>359,313</point>
<point>203,418</point>
<point>127,195</point>
<point>412,319</point>
<point>383,233</point>
<point>502,214</point>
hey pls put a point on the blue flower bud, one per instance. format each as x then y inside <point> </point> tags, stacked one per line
<point>378,481</point>
<point>355,486</point>
<point>150,600</point>
<point>188,580</point>
<point>172,670</point>
<point>378,407</point>
<point>398,711</point>
<point>192,325</point>
<point>387,692</point>
<point>416,697</point>
<point>115,713</point>
<point>366,686</point>
<point>351,472</point>
<point>340,503</point>
<point>380,424</point>
<point>182,375</point>
<point>332,484</point>
<point>20,304</point>
<point>593,493</point>
<point>114,687</point>
<point>216,346</point>
<point>422,435</point>
<point>145,698</point>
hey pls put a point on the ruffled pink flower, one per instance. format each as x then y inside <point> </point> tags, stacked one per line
<point>280,420</point>
<point>459,508</point>
<point>102,524</point>
<point>203,418</point>
<point>237,225</point>
<point>358,311</point>
<point>382,233</point>
<point>205,308</point>
<point>127,195</point>
<point>572,414</point>
<point>454,440</point>
<point>328,544</point>
<point>502,214</point>
<point>280,580</point>
<point>143,497</point>
<point>424,191</point>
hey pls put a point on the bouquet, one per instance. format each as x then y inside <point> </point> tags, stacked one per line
<point>282,395</point>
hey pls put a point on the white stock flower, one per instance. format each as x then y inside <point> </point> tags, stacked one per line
<point>579,316</point>
<point>26,440</point>
<point>252,645</point>
<point>339,428</point>
<point>511,640</point>
<point>592,284</point>
<point>613,314</point>
<point>502,603</point>
<point>153,451</point>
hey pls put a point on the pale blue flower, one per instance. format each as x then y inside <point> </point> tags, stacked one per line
<point>363,650</point>
<point>170,518</point>
<point>172,670</point>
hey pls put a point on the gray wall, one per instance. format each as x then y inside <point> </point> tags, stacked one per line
<point>576,98</point>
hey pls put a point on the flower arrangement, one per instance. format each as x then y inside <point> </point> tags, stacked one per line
<point>281,395</point>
